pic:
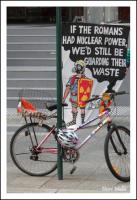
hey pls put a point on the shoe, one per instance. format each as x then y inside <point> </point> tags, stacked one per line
<point>71,123</point>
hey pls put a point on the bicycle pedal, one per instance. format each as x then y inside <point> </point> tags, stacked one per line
<point>73,169</point>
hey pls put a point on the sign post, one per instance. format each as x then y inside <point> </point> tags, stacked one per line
<point>59,88</point>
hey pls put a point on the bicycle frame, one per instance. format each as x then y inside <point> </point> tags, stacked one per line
<point>102,123</point>
<point>39,137</point>
<point>40,149</point>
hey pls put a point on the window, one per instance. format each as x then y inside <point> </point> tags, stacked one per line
<point>19,15</point>
<point>124,14</point>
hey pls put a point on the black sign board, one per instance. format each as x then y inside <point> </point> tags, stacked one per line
<point>102,47</point>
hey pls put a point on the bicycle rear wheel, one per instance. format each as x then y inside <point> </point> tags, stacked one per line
<point>23,150</point>
<point>117,152</point>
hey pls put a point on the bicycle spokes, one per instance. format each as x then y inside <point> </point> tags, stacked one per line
<point>28,156</point>
<point>117,152</point>
<point>119,148</point>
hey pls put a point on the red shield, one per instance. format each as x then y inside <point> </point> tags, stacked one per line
<point>84,91</point>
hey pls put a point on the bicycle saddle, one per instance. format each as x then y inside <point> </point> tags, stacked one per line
<point>54,107</point>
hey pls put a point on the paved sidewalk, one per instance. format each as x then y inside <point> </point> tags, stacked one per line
<point>92,174</point>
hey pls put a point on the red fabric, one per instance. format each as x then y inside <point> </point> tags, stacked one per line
<point>73,79</point>
<point>27,105</point>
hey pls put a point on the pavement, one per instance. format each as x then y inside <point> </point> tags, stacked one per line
<point>91,176</point>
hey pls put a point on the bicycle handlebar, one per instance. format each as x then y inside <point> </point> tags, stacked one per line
<point>119,93</point>
<point>93,99</point>
<point>96,97</point>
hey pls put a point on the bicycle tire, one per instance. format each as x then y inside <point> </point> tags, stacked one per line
<point>109,142</point>
<point>24,165</point>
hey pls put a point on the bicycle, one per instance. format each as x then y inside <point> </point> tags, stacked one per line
<point>33,141</point>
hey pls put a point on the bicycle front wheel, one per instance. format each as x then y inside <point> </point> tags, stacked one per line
<point>117,152</point>
<point>24,153</point>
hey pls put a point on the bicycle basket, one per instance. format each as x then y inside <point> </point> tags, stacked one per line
<point>32,103</point>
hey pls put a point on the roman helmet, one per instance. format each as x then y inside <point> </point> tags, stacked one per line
<point>79,67</point>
